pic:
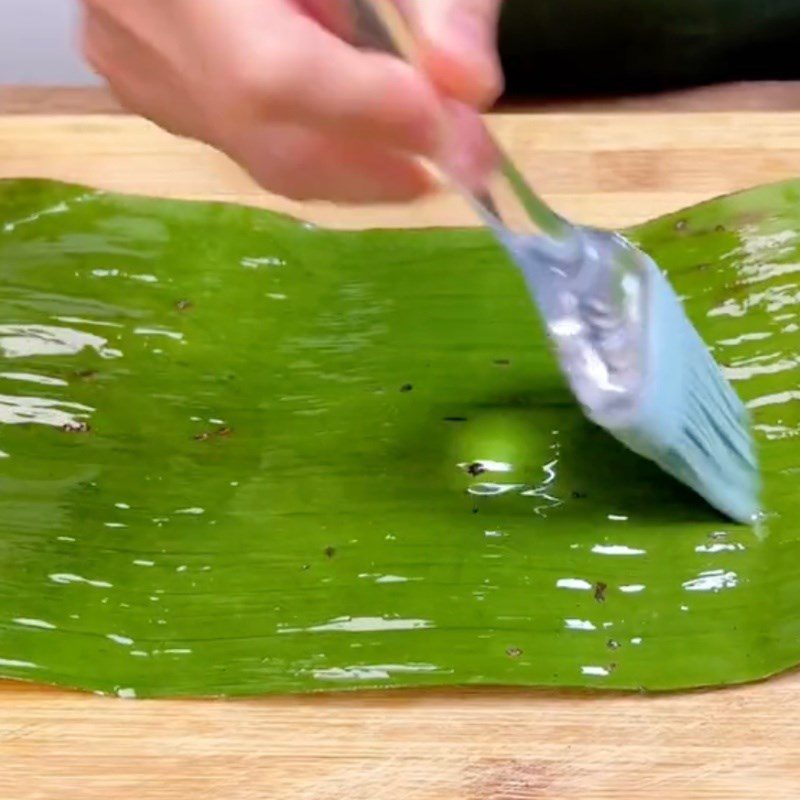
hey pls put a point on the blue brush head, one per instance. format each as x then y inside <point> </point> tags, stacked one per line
<point>637,365</point>
<point>687,418</point>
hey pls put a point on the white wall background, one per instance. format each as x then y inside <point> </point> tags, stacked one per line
<point>38,43</point>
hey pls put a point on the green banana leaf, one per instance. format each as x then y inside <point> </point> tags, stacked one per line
<point>238,456</point>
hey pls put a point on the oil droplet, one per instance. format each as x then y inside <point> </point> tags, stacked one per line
<point>16,664</point>
<point>363,625</point>
<point>712,581</point>
<point>617,550</point>
<point>599,672</point>
<point>66,577</point>
<point>124,640</point>
<point>266,261</point>
<point>35,623</point>
<point>579,625</point>
<point>573,583</point>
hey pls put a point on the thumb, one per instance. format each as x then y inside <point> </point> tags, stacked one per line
<point>458,47</point>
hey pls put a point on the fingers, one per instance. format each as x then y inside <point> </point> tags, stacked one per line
<point>468,154</point>
<point>307,114</point>
<point>113,52</point>
<point>458,42</point>
<point>337,123</point>
<point>308,76</point>
<point>304,164</point>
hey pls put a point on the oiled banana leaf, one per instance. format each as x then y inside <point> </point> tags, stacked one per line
<point>244,455</point>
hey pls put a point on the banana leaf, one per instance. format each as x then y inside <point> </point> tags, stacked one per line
<point>240,454</point>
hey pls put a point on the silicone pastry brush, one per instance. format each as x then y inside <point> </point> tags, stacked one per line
<point>631,356</point>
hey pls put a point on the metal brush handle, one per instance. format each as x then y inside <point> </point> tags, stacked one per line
<point>376,32</point>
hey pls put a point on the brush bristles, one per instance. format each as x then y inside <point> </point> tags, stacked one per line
<point>696,427</point>
<point>714,412</point>
<point>713,452</point>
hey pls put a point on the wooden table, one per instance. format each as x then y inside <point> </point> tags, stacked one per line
<point>450,745</point>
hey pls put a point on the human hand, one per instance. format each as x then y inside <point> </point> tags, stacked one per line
<point>276,86</point>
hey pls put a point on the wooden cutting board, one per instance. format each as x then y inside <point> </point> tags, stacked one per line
<point>444,745</point>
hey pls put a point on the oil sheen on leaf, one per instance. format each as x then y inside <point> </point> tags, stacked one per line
<point>239,455</point>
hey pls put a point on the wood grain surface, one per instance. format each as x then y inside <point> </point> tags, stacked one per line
<point>445,745</point>
<point>50,100</point>
<point>609,169</point>
<point>737,96</point>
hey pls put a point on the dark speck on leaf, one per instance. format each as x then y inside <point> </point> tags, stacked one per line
<point>502,362</point>
<point>305,567</point>
<point>513,652</point>
<point>76,427</point>
<point>86,374</point>
<point>475,469</point>
<point>330,552</point>
<point>455,419</point>
<point>612,666</point>
<point>612,644</point>
<point>184,305</point>
<point>475,509</point>
<point>720,229</point>
<point>600,591</point>
<point>579,495</point>
<point>206,435</point>
<point>681,225</point>
<point>406,387</point>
